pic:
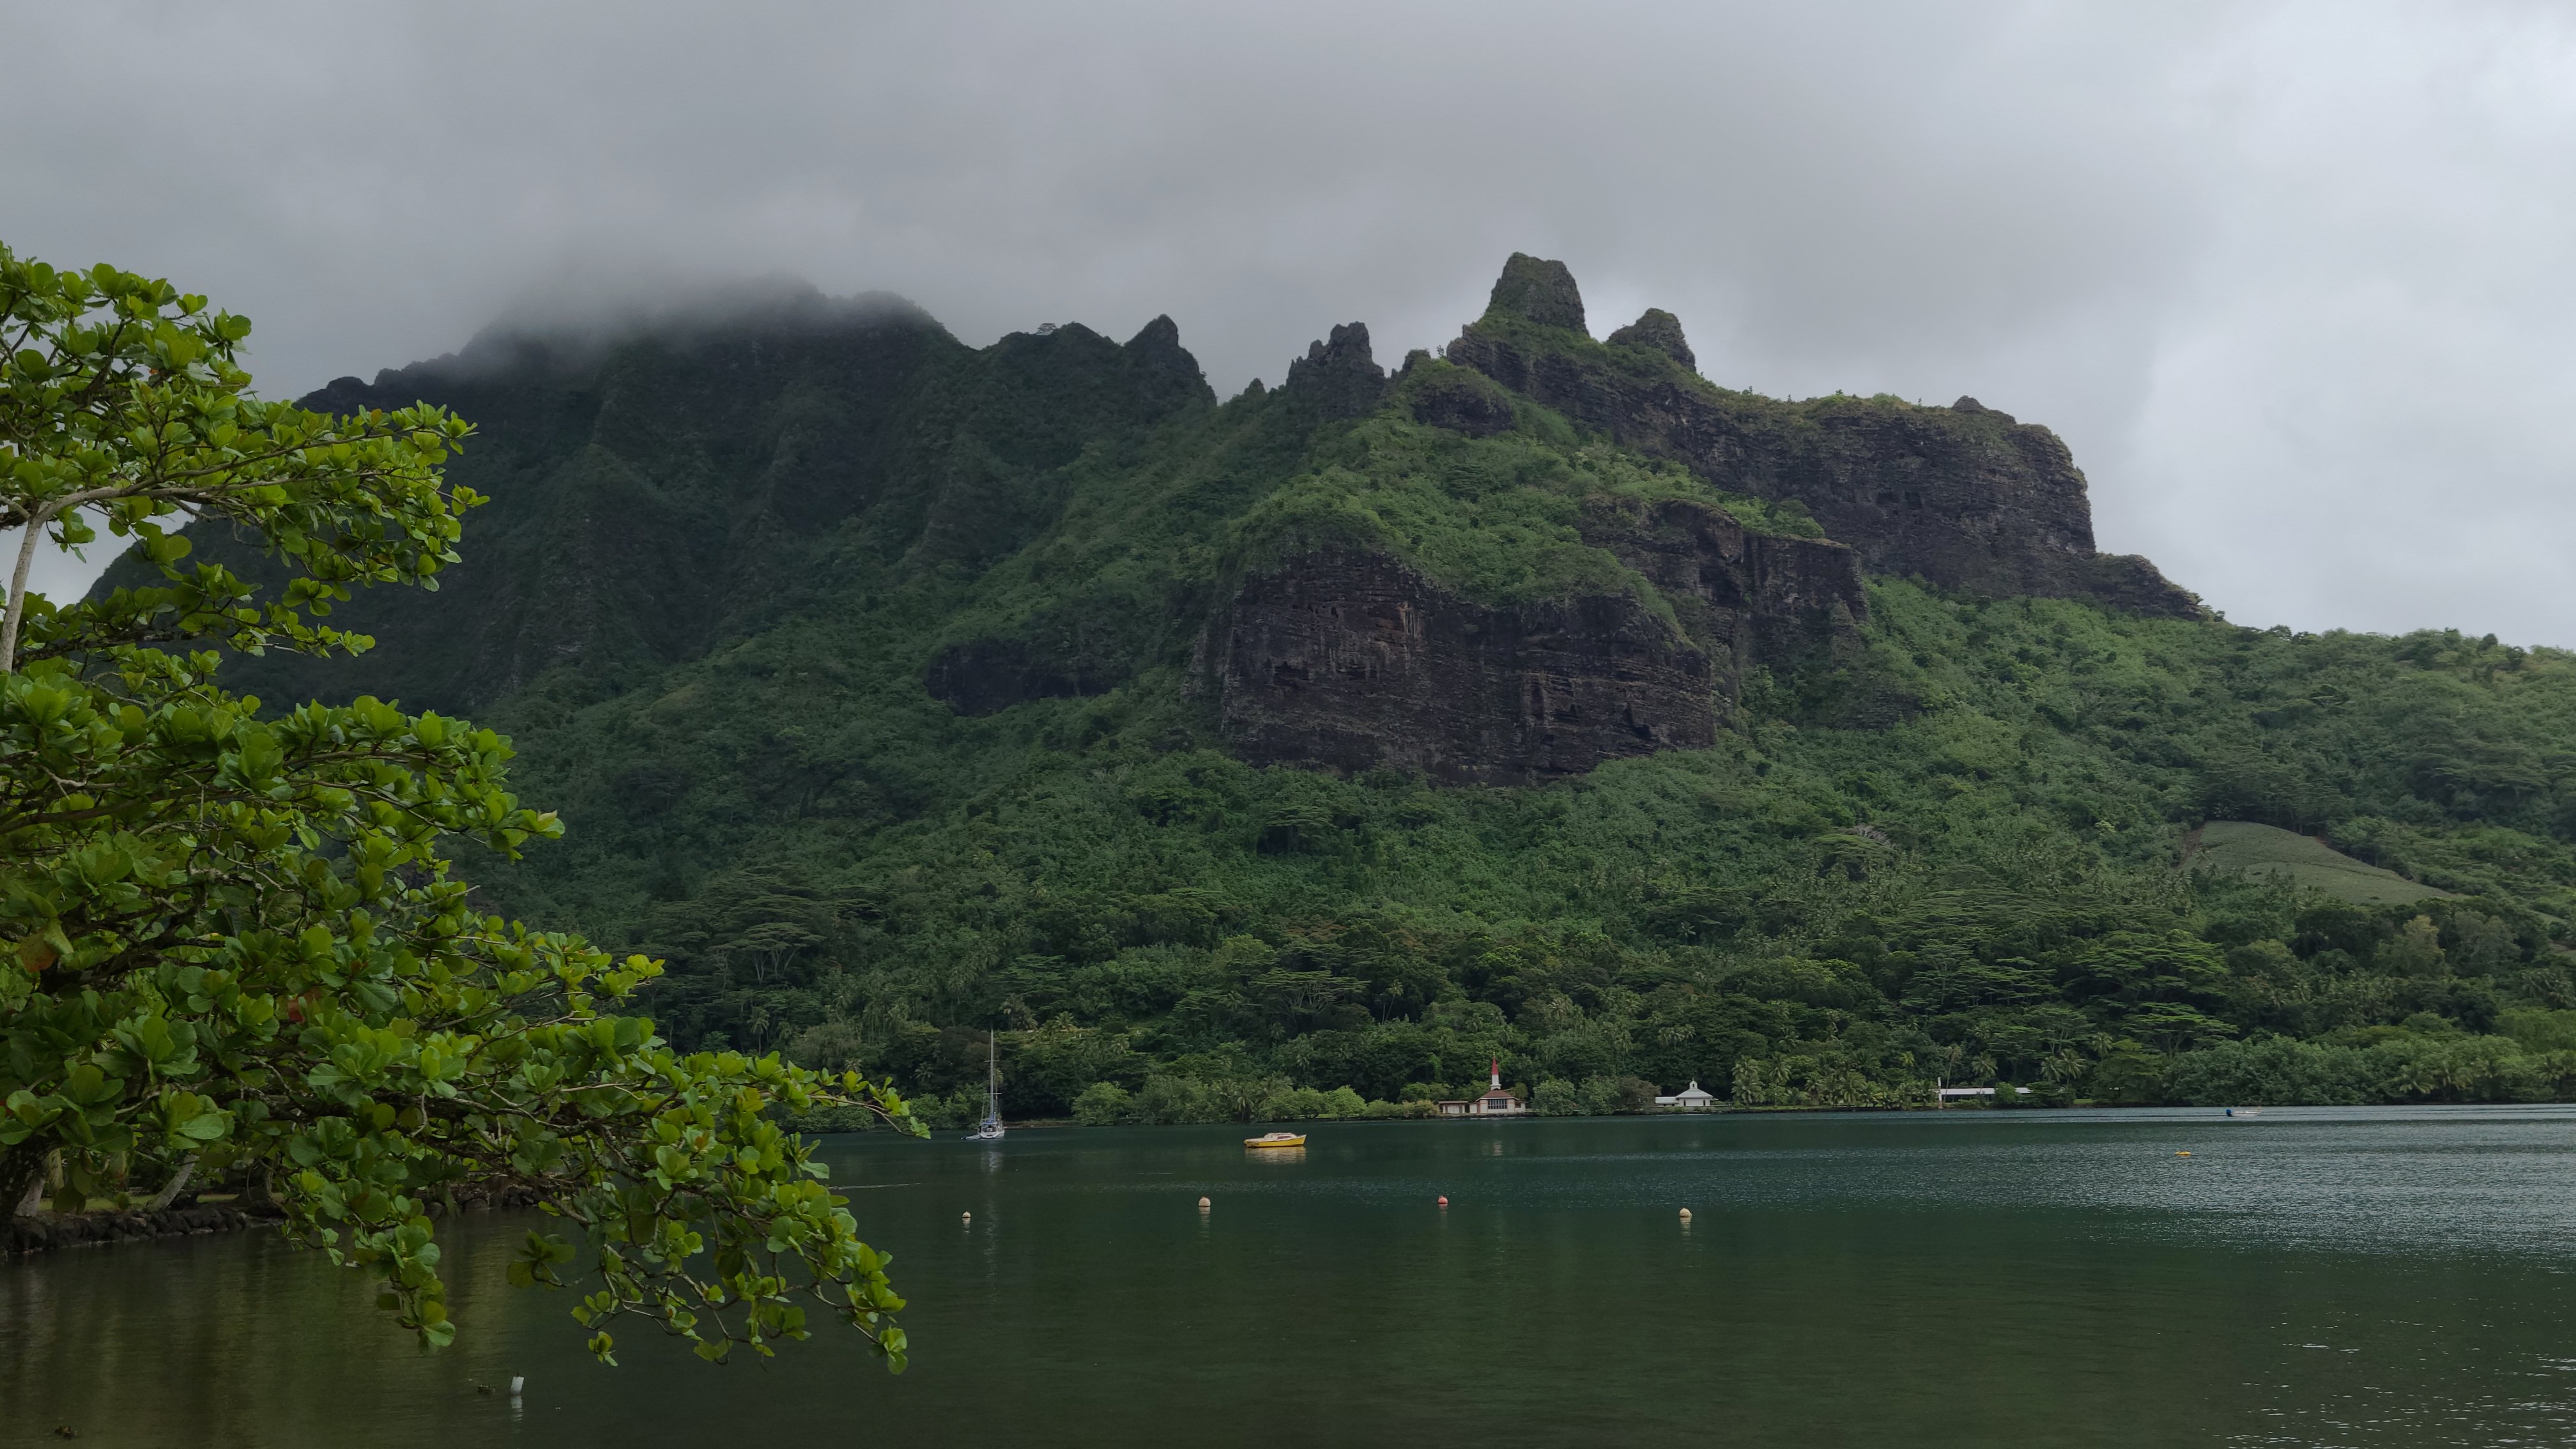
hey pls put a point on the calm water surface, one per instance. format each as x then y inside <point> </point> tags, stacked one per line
<point>2326,1277</point>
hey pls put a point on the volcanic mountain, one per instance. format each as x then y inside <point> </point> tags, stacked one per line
<point>1534,697</point>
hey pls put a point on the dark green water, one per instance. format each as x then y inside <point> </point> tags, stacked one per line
<point>2308,1278</point>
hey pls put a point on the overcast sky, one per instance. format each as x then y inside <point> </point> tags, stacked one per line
<point>2295,282</point>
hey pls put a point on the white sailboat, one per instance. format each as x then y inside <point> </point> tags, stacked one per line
<point>991,1128</point>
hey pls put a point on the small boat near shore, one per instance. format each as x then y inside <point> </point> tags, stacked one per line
<point>990,1129</point>
<point>1275,1139</point>
<point>2244,1111</point>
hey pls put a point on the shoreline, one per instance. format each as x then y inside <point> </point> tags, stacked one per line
<point>25,1237</point>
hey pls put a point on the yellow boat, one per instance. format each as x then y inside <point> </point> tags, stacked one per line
<point>1275,1139</point>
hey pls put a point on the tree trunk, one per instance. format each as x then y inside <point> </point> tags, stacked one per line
<point>14,613</point>
<point>178,1184</point>
<point>22,1178</point>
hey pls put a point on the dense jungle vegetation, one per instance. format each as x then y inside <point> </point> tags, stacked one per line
<point>1802,915</point>
<point>1983,883</point>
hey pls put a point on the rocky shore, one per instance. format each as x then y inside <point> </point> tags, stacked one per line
<point>46,1232</point>
<point>34,1233</point>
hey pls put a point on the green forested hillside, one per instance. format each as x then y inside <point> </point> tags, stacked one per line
<point>1948,848</point>
<point>1836,908</point>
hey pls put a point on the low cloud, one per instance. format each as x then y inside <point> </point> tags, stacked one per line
<point>2290,279</point>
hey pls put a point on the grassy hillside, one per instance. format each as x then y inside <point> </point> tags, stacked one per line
<point>2243,847</point>
<point>712,603</point>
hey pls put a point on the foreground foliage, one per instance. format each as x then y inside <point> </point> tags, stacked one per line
<point>235,950</point>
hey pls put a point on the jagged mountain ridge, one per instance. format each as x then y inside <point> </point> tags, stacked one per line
<point>654,495</point>
<point>1964,497</point>
<point>1351,659</point>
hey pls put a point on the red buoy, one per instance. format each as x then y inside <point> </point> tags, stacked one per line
<point>1444,1202</point>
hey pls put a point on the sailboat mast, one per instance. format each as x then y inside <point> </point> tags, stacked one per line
<point>991,1130</point>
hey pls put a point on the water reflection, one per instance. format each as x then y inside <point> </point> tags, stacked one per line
<point>2388,1278</point>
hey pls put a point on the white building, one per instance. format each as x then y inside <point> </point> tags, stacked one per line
<point>1690,1099</point>
<point>1497,1102</point>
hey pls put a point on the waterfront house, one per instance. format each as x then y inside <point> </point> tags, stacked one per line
<point>1498,1100</point>
<point>1690,1099</point>
<point>1943,1096</point>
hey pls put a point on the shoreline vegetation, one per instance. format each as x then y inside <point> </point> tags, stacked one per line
<point>2530,1059</point>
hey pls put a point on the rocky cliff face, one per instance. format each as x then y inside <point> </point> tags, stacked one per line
<point>1964,496</point>
<point>1751,597</point>
<point>1338,377</point>
<point>1354,660</point>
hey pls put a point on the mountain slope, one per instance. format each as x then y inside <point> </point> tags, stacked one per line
<point>1540,700</point>
<point>653,495</point>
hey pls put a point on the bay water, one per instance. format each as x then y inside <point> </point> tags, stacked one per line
<point>2305,1277</point>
